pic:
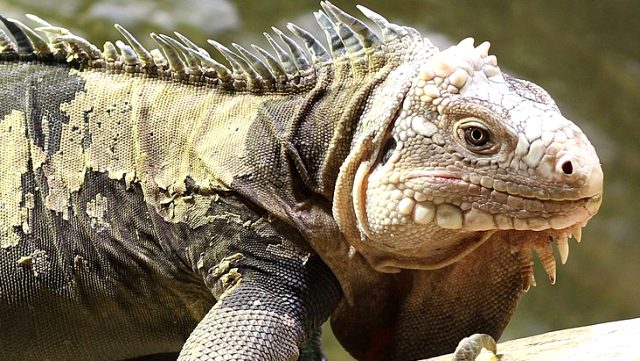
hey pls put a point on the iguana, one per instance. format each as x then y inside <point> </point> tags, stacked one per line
<point>158,201</point>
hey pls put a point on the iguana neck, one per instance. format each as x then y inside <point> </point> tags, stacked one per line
<point>319,134</point>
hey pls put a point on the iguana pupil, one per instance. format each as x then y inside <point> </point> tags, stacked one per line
<point>475,136</point>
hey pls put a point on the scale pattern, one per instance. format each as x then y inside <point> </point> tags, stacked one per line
<point>161,202</point>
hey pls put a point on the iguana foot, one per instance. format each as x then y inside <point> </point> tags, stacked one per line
<point>470,347</point>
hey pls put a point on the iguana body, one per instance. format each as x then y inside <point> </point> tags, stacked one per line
<point>397,188</point>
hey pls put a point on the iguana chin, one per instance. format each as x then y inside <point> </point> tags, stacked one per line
<point>152,199</point>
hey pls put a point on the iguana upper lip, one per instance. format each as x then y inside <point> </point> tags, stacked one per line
<point>435,175</point>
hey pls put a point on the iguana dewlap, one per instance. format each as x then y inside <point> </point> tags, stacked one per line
<point>159,201</point>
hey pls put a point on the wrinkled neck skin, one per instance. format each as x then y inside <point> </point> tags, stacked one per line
<point>335,126</point>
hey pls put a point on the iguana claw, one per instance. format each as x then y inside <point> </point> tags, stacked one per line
<point>470,347</point>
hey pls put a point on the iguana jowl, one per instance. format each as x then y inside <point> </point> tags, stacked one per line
<point>153,197</point>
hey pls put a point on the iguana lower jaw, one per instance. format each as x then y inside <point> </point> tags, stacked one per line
<point>431,218</point>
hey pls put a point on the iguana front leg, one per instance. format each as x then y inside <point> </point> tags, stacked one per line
<point>272,299</point>
<point>250,323</point>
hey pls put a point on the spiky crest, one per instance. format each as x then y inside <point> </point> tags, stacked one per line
<point>290,69</point>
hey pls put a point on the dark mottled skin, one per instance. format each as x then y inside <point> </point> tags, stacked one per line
<point>134,284</point>
<point>135,288</point>
<point>98,281</point>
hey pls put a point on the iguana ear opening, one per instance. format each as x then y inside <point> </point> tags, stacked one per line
<point>353,173</point>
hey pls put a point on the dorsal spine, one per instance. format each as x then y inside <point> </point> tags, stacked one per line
<point>290,70</point>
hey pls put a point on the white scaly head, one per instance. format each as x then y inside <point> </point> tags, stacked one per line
<point>473,152</point>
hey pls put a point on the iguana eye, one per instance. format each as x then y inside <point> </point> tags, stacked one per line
<point>476,136</point>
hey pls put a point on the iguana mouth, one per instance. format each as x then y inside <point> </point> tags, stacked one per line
<point>540,192</point>
<point>530,223</point>
<point>484,208</point>
<point>452,216</point>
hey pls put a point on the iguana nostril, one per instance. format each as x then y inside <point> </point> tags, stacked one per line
<point>567,167</point>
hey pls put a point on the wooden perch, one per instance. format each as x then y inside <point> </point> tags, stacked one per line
<point>619,340</point>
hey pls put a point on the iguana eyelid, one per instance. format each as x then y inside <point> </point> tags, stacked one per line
<point>459,130</point>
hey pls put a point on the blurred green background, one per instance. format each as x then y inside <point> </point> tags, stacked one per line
<point>585,53</point>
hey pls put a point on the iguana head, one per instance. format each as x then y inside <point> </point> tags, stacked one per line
<point>472,151</point>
